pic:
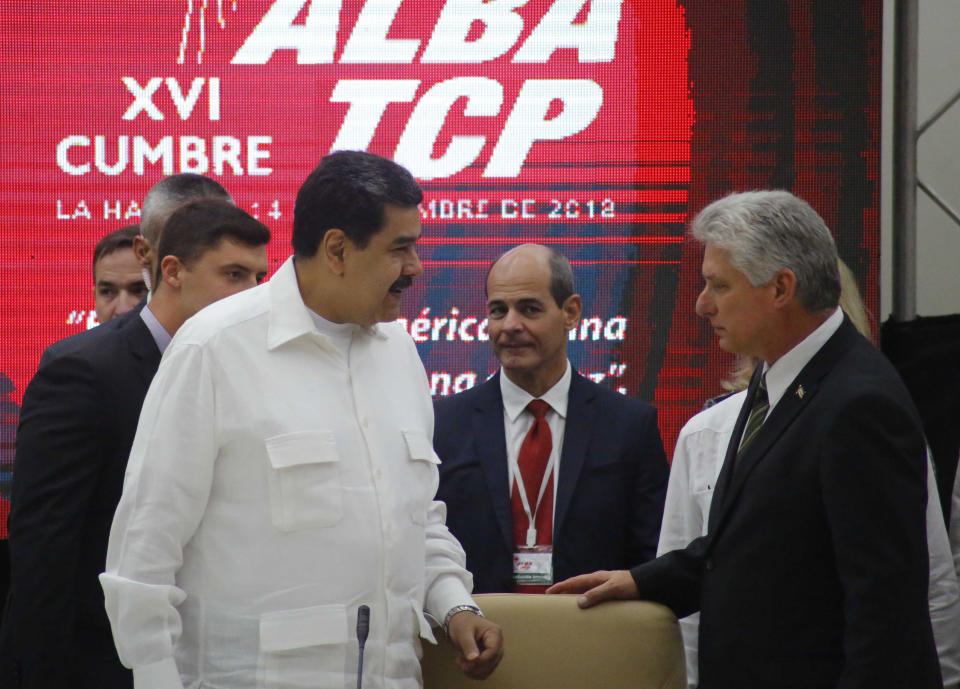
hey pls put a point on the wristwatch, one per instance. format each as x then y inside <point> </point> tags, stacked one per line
<point>454,610</point>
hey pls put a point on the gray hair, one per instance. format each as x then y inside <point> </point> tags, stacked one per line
<point>169,194</point>
<point>561,277</point>
<point>767,231</point>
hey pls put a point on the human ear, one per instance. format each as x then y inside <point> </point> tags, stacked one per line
<point>142,250</point>
<point>171,271</point>
<point>572,308</point>
<point>784,284</point>
<point>333,247</point>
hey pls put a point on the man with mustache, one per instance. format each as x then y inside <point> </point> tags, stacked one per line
<point>282,475</point>
<point>545,473</point>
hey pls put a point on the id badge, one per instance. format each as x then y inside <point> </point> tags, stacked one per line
<point>533,565</point>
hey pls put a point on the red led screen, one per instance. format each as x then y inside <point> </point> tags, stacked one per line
<point>595,126</point>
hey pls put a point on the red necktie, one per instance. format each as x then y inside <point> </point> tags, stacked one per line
<point>532,462</point>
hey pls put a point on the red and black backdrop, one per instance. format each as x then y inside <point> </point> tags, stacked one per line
<point>597,126</point>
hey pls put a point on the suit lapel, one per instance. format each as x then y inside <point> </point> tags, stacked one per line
<point>777,422</point>
<point>576,440</point>
<point>783,415</point>
<point>490,446</point>
<point>141,345</point>
<point>723,480</point>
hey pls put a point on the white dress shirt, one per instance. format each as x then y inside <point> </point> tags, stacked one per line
<point>697,459</point>
<point>517,421</point>
<point>274,486</point>
<point>160,335</point>
<point>785,369</point>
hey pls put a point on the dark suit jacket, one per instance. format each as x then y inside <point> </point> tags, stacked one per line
<point>610,489</point>
<point>814,570</point>
<point>77,423</point>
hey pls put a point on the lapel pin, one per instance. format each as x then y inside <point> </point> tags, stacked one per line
<point>800,391</point>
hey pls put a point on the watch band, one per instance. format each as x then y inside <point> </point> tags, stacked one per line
<point>454,610</point>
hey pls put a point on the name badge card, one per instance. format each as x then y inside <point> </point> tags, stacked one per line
<point>533,565</point>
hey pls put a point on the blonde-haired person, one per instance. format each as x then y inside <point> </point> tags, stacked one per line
<point>697,459</point>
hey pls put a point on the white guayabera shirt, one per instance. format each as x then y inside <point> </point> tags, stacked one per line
<point>274,486</point>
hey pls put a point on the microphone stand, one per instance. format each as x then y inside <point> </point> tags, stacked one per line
<point>363,629</point>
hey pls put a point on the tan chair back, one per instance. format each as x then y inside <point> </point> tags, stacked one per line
<point>550,643</point>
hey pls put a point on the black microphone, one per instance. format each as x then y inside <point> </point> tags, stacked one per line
<point>363,629</point>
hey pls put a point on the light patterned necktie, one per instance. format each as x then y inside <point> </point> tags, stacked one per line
<point>758,412</point>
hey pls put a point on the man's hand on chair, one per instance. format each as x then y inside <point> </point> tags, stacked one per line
<point>598,587</point>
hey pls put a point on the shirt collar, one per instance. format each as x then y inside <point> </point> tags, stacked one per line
<point>516,399</point>
<point>788,367</point>
<point>339,333</point>
<point>289,316</point>
<point>160,336</point>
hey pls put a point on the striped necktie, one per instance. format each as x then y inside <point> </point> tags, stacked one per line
<point>758,412</point>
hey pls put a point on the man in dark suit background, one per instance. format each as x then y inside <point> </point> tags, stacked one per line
<point>596,492</point>
<point>118,285</point>
<point>77,424</point>
<point>161,201</point>
<point>813,573</point>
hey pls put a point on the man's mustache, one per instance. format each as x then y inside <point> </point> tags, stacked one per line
<point>512,340</point>
<point>401,282</point>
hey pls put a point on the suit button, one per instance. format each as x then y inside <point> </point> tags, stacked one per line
<point>709,564</point>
